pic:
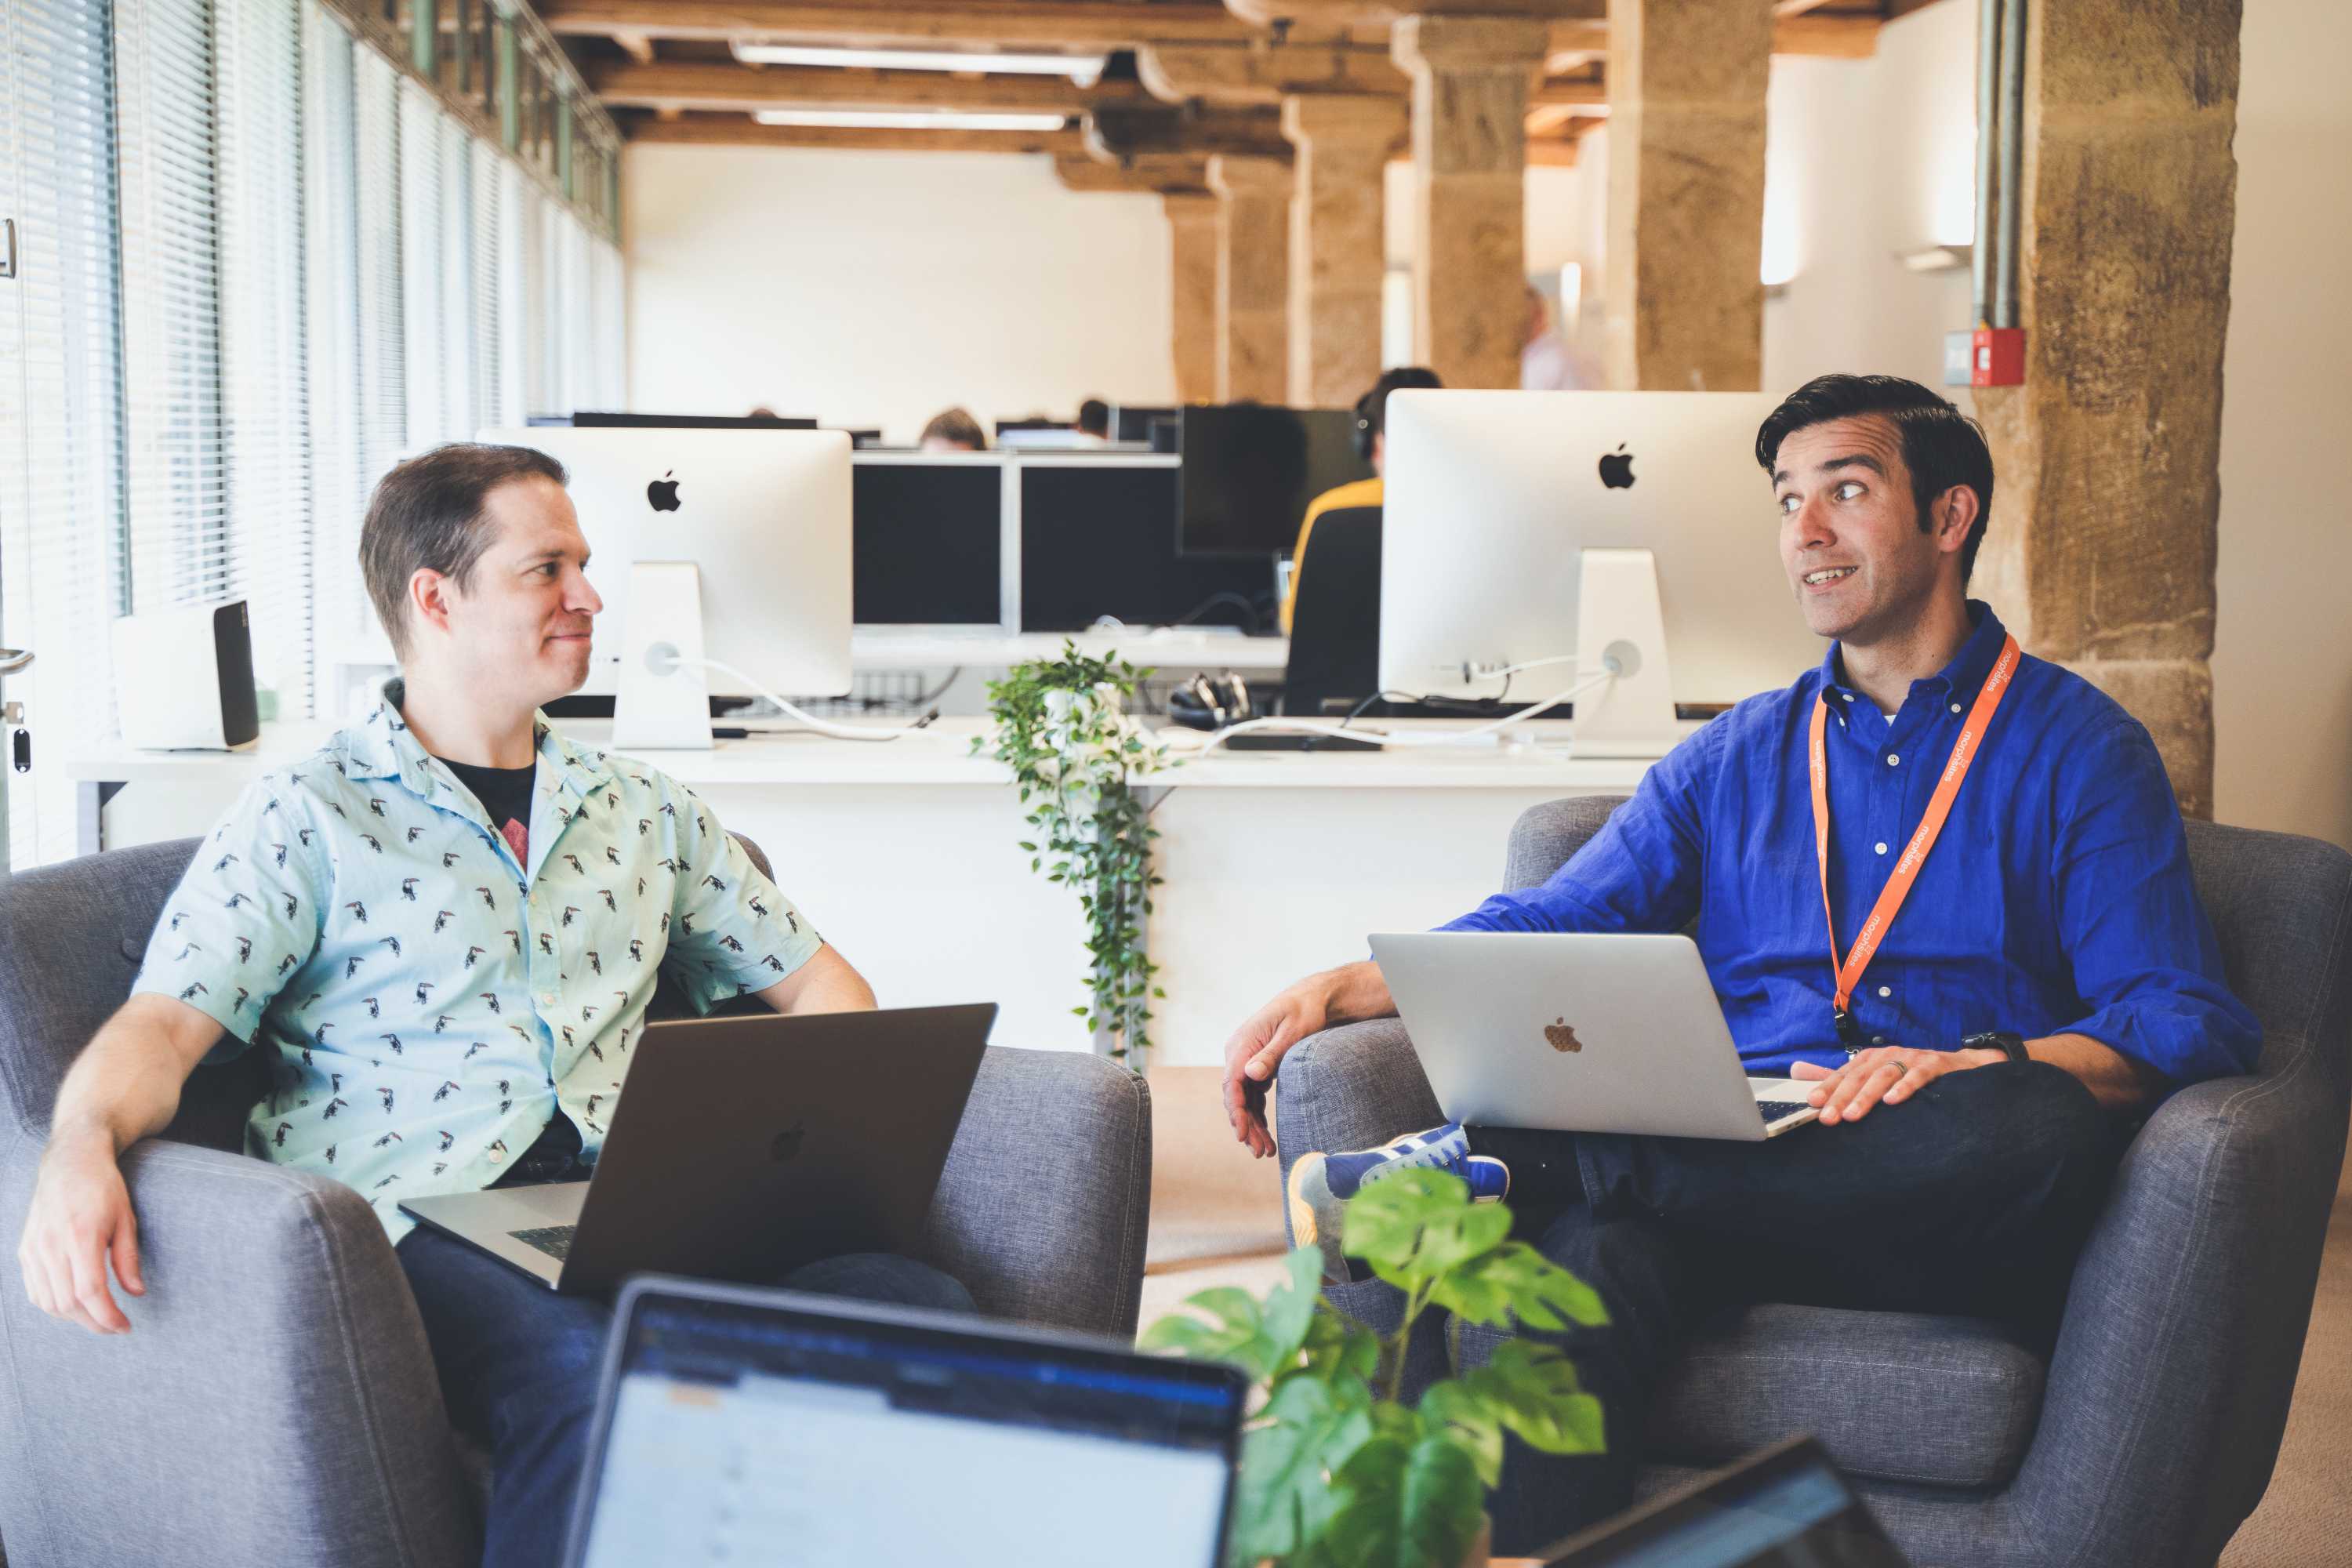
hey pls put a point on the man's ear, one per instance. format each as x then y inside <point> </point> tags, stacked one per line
<point>428,599</point>
<point>1950,516</point>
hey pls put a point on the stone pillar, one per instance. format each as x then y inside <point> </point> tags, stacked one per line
<point>1686,84</point>
<point>2099,551</point>
<point>1192,232</point>
<point>1470,81</point>
<point>1253,278</point>
<point>1339,247</point>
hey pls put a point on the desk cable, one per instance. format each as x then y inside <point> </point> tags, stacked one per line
<point>1385,739</point>
<point>822,726</point>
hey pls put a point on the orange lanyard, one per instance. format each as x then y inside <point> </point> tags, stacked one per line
<point>1915,854</point>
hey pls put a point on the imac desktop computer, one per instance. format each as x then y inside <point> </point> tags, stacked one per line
<point>717,552</point>
<point>1621,546</point>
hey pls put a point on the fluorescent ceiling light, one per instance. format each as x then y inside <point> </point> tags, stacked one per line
<point>1084,69</point>
<point>907,120</point>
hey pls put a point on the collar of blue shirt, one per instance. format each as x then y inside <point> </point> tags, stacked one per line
<point>1958,681</point>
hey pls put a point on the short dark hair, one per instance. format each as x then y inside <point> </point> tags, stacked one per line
<point>1093,416</point>
<point>957,424</point>
<point>1373,409</point>
<point>427,513</point>
<point>1942,446</point>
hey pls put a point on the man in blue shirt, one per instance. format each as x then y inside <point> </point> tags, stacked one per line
<point>444,928</point>
<point>1976,1063</point>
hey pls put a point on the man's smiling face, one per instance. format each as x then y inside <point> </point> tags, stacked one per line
<point>1849,530</point>
<point>521,623</point>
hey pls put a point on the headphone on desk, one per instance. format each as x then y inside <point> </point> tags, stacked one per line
<point>1210,701</point>
<point>1371,409</point>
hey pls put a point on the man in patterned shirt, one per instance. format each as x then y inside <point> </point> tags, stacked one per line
<point>444,927</point>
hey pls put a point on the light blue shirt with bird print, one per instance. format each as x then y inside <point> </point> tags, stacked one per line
<point>429,1001</point>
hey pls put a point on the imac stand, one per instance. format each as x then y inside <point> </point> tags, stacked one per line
<point>663,702</point>
<point>1621,628</point>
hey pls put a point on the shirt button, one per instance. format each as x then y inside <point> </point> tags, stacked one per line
<point>1892,759</point>
<point>1881,848</point>
<point>1878,1039</point>
<point>1845,696</point>
<point>1955,707</point>
<point>1886,991</point>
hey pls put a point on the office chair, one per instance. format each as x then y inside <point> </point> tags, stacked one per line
<point>1335,627</point>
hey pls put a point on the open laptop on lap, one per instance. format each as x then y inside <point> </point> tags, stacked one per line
<point>1785,1506</point>
<point>1573,1033</point>
<point>830,1142</point>
<point>759,1427</point>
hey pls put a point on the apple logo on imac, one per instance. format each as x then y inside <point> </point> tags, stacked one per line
<point>1617,470</point>
<point>661,494</point>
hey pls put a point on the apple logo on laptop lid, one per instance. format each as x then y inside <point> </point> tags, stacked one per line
<point>1561,1037</point>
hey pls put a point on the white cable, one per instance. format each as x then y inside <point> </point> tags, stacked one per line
<point>822,726</point>
<point>1476,674</point>
<point>1383,738</point>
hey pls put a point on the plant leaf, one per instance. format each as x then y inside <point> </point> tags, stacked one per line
<point>1407,1502</point>
<point>1414,1226</point>
<point>1284,1498</point>
<point>1515,1281</point>
<point>1263,1341</point>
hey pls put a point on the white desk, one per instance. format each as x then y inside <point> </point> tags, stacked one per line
<point>907,857</point>
<point>1166,647</point>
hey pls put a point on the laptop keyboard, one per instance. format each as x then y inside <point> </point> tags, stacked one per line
<point>555,1240</point>
<point>1773,1111</point>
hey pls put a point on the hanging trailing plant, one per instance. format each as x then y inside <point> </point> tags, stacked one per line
<point>1062,727</point>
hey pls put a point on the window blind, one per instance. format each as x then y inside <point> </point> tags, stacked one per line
<point>62,567</point>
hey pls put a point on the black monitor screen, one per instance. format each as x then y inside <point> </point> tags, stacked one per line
<point>1096,541</point>
<point>925,543</point>
<point>1250,471</point>
<point>587,419</point>
<point>1132,422</point>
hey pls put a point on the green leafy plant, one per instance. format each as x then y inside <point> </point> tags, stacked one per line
<point>1061,727</point>
<point>1336,1472</point>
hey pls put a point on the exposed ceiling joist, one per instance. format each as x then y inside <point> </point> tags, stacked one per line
<point>1043,24</point>
<point>741,131</point>
<point>747,88</point>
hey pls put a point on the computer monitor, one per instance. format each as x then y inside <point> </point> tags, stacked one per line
<point>1250,471</point>
<point>928,539</point>
<point>1131,422</point>
<point>766,1429</point>
<point>762,517</point>
<point>1499,503</point>
<point>587,420</point>
<point>1097,539</point>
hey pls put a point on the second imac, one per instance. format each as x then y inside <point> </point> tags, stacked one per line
<point>708,547</point>
<point>1533,540</point>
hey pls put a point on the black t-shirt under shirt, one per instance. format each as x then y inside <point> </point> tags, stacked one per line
<point>505,794</point>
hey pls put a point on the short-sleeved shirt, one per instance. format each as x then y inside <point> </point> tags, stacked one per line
<point>430,1002</point>
<point>2058,898</point>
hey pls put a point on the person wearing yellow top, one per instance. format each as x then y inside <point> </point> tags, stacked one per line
<point>1371,416</point>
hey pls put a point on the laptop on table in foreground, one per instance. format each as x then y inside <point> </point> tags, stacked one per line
<point>1573,1033</point>
<point>756,1428</point>
<point>829,1140</point>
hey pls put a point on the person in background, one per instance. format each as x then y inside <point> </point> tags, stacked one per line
<point>1094,422</point>
<point>763,412</point>
<point>955,430</point>
<point>1548,362</point>
<point>1372,419</point>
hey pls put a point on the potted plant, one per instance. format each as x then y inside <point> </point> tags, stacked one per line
<point>1336,1470</point>
<point>1062,727</point>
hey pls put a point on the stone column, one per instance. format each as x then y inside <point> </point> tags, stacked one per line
<point>2100,548</point>
<point>1686,84</point>
<point>1470,81</point>
<point>1338,248</point>
<point>1192,231</point>
<point>1253,278</point>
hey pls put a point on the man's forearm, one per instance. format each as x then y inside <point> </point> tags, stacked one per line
<point>2116,1080</point>
<point>1355,992</point>
<point>125,1086</point>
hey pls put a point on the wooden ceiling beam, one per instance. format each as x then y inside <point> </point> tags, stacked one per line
<point>1044,24</point>
<point>1162,176</point>
<point>748,88</point>
<point>743,130</point>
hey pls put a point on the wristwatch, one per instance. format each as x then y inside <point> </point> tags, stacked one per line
<point>2006,1042</point>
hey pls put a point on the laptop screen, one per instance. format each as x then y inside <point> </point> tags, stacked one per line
<point>747,1433</point>
<point>1787,1507</point>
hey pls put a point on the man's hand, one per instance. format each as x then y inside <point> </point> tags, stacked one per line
<point>1341,996</point>
<point>1891,1073</point>
<point>80,1216</point>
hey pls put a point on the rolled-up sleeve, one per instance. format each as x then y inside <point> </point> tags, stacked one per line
<point>2145,961</point>
<point>1639,873</point>
<point>245,916</point>
<point>733,931</point>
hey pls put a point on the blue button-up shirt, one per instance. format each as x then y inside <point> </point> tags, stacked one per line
<point>2056,901</point>
<point>428,1002</point>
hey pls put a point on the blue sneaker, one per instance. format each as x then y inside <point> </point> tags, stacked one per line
<point>1321,1185</point>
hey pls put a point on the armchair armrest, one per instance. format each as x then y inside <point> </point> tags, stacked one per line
<point>275,1401</point>
<point>1042,1209</point>
<point>2184,1326</point>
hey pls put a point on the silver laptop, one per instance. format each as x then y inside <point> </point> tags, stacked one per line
<point>826,1139</point>
<point>765,1430</point>
<point>1580,1034</point>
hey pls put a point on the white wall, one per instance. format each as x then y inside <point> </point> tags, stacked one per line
<point>876,289</point>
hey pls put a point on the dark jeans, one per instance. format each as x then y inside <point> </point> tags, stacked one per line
<point>518,1367</point>
<point>1972,1197</point>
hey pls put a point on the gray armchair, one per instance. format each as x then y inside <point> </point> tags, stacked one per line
<point>276,1402</point>
<point>2147,1432</point>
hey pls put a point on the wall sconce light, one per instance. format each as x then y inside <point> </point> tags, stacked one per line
<point>1935,257</point>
